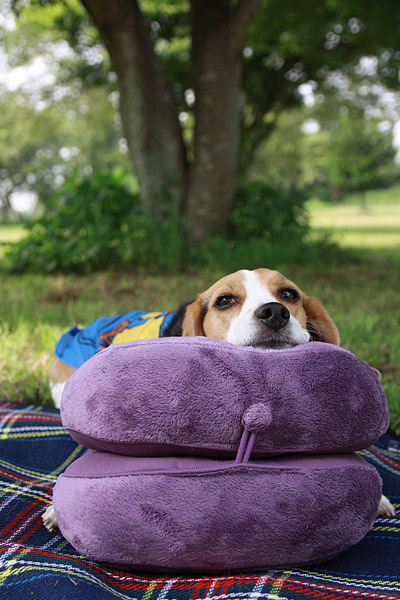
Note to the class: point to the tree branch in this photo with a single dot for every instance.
(240, 20)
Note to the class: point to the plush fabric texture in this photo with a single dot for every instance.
(198, 514)
(177, 396)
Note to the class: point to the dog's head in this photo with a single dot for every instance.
(258, 308)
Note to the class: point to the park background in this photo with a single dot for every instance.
(222, 135)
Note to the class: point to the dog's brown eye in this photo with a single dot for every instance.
(288, 294)
(225, 301)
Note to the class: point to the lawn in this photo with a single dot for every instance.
(377, 229)
(362, 297)
(11, 233)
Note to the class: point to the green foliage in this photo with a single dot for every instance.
(85, 225)
(349, 153)
(41, 25)
(287, 46)
(65, 121)
(279, 160)
(358, 156)
(311, 41)
(38, 148)
(96, 222)
(266, 226)
(231, 255)
(262, 212)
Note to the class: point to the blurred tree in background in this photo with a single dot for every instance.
(207, 90)
(357, 156)
(39, 149)
(347, 153)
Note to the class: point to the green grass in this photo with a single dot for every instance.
(362, 297)
(8, 234)
(11, 233)
(376, 229)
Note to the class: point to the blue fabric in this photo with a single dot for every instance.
(78, 345)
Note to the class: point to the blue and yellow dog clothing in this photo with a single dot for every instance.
(78, 345)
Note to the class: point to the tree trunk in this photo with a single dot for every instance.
(5, 209)
(203, 192)
(147, 105)
(335, 193)
(217, 41)
(362, 197)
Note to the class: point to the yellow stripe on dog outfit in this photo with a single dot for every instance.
(149, 329)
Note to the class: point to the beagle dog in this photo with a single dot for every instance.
(260, 308)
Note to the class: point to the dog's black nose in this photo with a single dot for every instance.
(273, 315)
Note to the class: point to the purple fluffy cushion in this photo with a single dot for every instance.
(199, 514)
(176, 396)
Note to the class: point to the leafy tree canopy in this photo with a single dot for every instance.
(54, 126)
(324, 44)
(305, 41)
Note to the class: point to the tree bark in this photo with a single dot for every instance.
(5, 209)
(362, 197)
(203, 191)
(217, 38)
(148, 110)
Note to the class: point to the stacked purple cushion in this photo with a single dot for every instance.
(172, 396)
(152, 401)
(202, 514)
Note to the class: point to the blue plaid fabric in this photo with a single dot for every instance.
(34, 563)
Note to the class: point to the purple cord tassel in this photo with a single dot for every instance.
(256, 418)
(242, 446)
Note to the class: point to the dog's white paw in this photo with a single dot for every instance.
(50, 519)
(386, 508)
(56, 391)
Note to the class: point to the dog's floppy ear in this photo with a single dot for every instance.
(193, 319)
(319, 324)
(377, 373)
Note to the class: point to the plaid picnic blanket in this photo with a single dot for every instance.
(35, 448)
